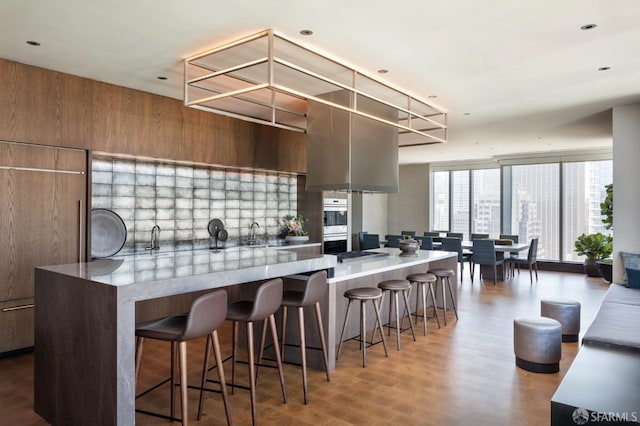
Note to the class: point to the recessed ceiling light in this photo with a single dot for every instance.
(383, 71)
(588, 27)
(161, 77)
(604, 68)
(33, 43)
(306, 32)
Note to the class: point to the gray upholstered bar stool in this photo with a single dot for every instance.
(424, 287)
(315, 287)
(442, 275)
(567, 313)
(206, 315)
(363, 294)
(266, 302)
(394, 287)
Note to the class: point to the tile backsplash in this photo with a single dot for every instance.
(182, 200)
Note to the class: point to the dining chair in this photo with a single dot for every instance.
(479, 236)
(484, 254)
(393, 240)
(531, 260)
(370, 241)
(431, 233)
(455, 235)
(412, 233)
(455, 245)
(361, 235)
(426, 243)
(513, 238)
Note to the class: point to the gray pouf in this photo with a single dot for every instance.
(567, 312)
(537, 344)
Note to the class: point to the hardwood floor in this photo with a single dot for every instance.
(462, 374)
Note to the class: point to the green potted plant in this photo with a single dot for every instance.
(595, 247)
(605, 266)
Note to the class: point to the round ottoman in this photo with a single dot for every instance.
(567, 312)
(537, 343)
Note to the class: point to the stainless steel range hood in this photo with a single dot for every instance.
(348, 152)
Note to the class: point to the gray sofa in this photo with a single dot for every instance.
(603, 382)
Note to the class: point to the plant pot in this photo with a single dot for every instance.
(591, 268)
(296, 239)
(606, 270)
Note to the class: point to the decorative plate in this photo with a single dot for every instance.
(108, 233)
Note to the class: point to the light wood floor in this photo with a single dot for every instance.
(461, 374)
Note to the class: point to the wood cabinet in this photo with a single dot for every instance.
(42, 222)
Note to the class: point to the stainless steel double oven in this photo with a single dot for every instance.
(335, 225)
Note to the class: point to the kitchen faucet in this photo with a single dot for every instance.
(252, 237)
(155, 238)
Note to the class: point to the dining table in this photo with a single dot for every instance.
(501, 249)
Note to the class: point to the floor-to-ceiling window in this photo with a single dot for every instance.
(554, 201)
(535, 212)
(486, 202)
(440, 201)
(460, 202)
(583, 191)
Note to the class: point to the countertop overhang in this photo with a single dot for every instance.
(393, 260)
(149, 275)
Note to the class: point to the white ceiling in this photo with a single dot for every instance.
(523, 70)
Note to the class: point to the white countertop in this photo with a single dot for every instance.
(151, 274)
(364, 266)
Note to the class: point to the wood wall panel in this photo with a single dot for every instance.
(51, 108)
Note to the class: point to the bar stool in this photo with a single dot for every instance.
(423, 280)
(314, 288)
(394, 287)
(441, 275)
(363, 294)
(206, 315)
(267, 301)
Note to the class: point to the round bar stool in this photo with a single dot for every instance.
(267, 301)
(441, 275)
(315, 287)
(394, 287)
(537, 344)
(206, 315)
(424, 281)
(363, 294)
(567, 313)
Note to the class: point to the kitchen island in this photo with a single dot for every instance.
(85, 321)
(85, 315)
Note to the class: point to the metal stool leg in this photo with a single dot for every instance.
(363, 330)
(323, 342)
(406, 305)
(453, 299)
(433, 299)
(344, 327)
(384, 342)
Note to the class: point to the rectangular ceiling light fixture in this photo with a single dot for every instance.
(268, 79)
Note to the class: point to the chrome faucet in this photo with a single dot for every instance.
(155, 238)
(252, 237)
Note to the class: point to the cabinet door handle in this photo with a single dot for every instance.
(80, 231)
(17, 308)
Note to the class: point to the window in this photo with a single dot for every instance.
(583, 191)
(460, 202)
(535, 209)
(440, 201)
(486, 202)
(554, 202)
